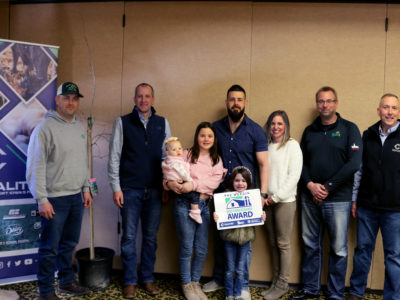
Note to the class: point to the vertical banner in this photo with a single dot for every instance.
(28, 83)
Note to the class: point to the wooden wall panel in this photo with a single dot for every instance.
(191, 52)
(4, 18)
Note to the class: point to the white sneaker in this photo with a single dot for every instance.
(245, 295)
(211, 286)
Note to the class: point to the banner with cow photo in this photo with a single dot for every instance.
(28, 83)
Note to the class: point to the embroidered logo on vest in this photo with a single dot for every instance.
(396, 148)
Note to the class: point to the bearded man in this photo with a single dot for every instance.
(241, 142)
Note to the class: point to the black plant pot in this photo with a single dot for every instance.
(95, 274)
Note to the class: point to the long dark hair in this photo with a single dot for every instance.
(245, 172)
(194, 152)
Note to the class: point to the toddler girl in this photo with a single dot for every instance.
(237, 240)
(176, 168)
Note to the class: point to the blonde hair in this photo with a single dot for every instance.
(170, 140)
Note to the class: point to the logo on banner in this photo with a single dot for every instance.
(14, 230)
(14, 214)
(37, 225)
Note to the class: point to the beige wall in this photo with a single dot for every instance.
(4, 18)
(193, 51)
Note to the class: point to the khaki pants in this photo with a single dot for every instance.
(279, 225)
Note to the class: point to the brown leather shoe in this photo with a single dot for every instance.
(74, 289)
(129, 291)
(151, 288)
(353, 297)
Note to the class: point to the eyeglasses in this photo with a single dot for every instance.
(329, 101)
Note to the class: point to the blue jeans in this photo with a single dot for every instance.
(236, 261)
(368, 223)
(219, 264)
(334, 216)
(58, 239)
(192, 197)
(143, 204)
(192, 238)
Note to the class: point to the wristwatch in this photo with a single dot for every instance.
(265, 195)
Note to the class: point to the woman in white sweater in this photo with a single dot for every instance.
(285, 164)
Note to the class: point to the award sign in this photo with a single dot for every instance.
(238, 209)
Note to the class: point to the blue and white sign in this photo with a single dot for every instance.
(28, 83)
(238, 209)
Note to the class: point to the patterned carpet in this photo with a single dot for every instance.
(169, 285)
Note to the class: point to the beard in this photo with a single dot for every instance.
(235, 115)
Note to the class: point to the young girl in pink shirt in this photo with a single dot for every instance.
(207, 172)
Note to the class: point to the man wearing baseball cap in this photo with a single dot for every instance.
(58, 178)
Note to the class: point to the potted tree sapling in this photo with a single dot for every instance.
(94, 263)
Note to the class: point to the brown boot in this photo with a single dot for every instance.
(279, 289)
(129, 291)
(73, 288)
(151, 288)
(271, 287)
(189, 292)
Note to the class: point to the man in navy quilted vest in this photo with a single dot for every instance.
(376, 201)
(134, 170)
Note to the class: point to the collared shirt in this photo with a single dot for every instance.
(383, 135)
(146, 121)
(358, 174)
(240, 148)
(116, 150)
